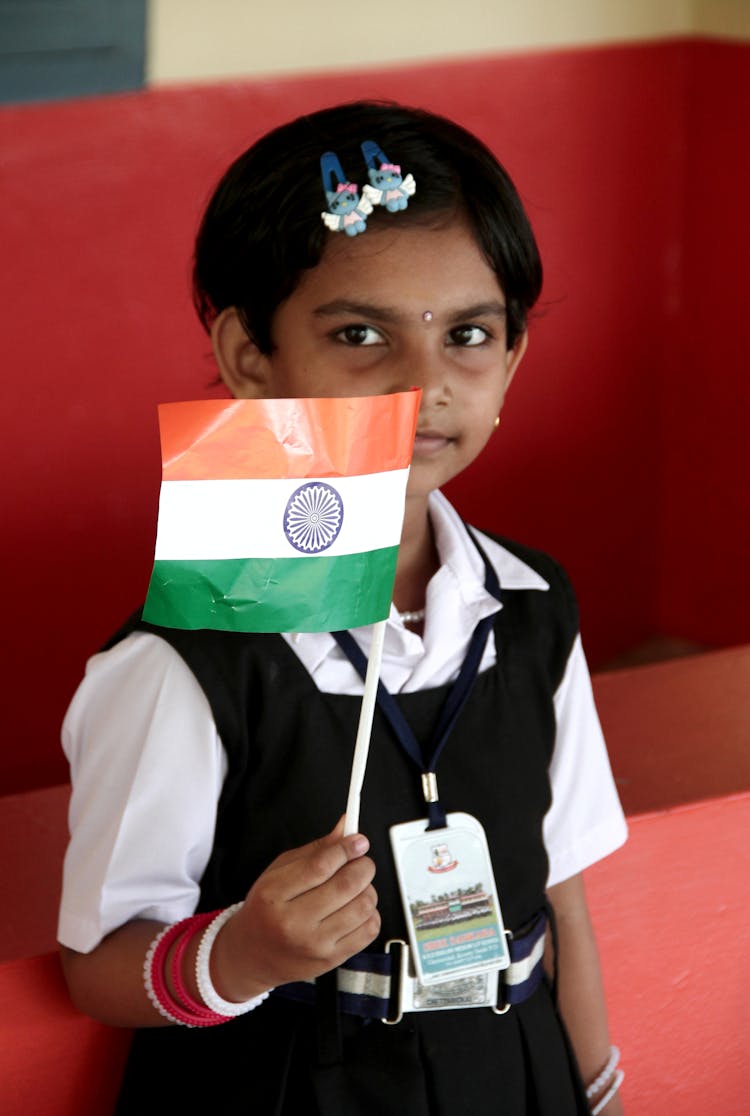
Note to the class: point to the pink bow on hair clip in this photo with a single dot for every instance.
(386, 186)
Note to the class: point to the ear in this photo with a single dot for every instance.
(515, 356)
(242, 366)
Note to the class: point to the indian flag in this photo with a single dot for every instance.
(280, 515)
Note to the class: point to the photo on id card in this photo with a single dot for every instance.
(449, 898)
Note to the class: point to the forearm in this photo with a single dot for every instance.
(107, 983)
(580, 988)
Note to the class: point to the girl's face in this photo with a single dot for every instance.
(389, 310)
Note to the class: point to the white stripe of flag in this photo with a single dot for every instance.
(218, 519)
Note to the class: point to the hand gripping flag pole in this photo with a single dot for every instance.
(284, 515)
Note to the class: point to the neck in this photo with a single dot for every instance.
(417, 557)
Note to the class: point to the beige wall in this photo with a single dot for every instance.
(205, 39)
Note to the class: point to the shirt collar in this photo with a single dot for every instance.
(458, 586)
(458, 552)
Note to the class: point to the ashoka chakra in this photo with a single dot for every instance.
(313, 517)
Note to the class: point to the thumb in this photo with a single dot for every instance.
(338, 830)
(354, 845)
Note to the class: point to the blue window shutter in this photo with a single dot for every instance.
(50, 49)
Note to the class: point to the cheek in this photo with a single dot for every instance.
(483, 433)
(486, 405)
(499, 396)
(295, 377)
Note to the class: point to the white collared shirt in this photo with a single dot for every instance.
(456, 601)
(148, 765)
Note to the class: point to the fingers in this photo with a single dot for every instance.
(353, 927)
(356, 941)
(306, 945)
(354, 845)
(311, 866)
(315, 886)
(308, 912)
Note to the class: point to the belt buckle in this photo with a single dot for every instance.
(402, 976)
(499, 1008)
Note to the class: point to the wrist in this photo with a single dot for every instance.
(163, 978)
(229, 965)
(613, 1107)
(178, 978)
(602, 1092)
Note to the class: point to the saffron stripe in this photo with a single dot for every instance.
(231, 439)
(237, 518)
(310, 594)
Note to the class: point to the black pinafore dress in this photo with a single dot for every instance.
(289, 749)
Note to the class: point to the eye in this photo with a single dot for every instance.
(469, 336)
(359, 335)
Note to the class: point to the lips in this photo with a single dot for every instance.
(430, 442)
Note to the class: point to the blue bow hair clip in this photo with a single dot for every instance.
(387, 185)
(346, 209)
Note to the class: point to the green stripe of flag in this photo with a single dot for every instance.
(272, 594)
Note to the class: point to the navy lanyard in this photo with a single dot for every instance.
(454, 703)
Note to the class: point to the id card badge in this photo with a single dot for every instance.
(449, 898)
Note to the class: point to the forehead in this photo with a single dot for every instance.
(415, 265)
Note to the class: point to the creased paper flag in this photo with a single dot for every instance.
(280, 515)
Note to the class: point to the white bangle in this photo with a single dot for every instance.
(602, 1078)
(209, 995)
(600, 1104)
(148, 981)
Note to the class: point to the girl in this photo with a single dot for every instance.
(209, 768)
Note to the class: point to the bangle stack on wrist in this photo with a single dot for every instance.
(183, 1008)
(604, 1086)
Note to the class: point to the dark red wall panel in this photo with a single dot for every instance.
(100, 202)
(704, 591)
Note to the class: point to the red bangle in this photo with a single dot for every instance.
(196, 924)
(156, 985)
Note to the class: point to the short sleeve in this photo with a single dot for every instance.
(585, 821)
(147, 767)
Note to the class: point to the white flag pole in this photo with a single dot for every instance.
(364, 730)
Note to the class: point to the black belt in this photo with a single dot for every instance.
(378, 985)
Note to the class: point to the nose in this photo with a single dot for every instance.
(424, 365)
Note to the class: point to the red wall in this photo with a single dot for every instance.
(623, 441)
(705, 528)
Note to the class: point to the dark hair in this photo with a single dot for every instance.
(262, 227)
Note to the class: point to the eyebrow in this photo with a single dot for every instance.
(357, 309)
(391, 315)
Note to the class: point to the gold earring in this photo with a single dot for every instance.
(497, 422)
